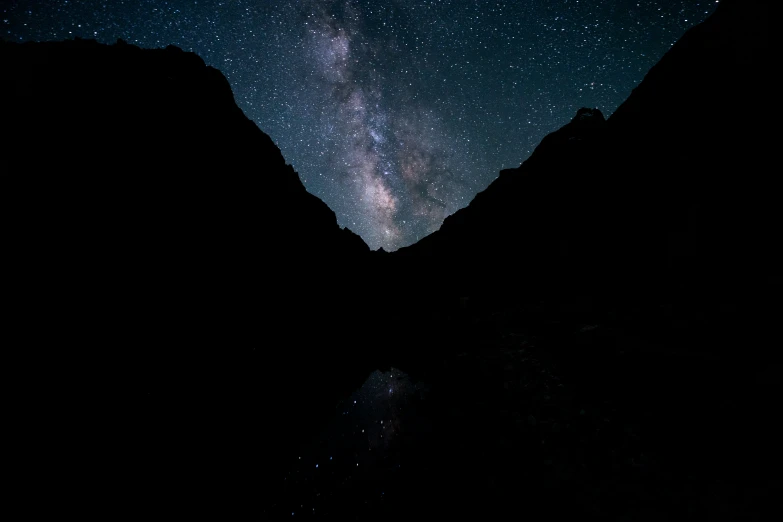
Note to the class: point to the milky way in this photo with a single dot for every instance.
(390, 150)
(395, 113)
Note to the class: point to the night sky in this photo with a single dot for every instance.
(395, 113)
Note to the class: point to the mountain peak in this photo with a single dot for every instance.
(586, 117)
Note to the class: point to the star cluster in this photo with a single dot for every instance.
(361, 449)
(394, 113)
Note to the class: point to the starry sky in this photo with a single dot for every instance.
(396, 112)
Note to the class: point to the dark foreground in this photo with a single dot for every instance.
(543, 411)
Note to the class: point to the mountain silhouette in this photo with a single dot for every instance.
(673, 189)
(161, 241)
(208, 312)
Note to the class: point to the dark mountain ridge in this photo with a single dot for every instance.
(157, 235)
(674, 185)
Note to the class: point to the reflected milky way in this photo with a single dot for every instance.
(361, 450)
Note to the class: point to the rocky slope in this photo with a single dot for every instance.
(162, 244)
(673, 190)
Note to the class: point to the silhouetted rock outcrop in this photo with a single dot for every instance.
(154, 225)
